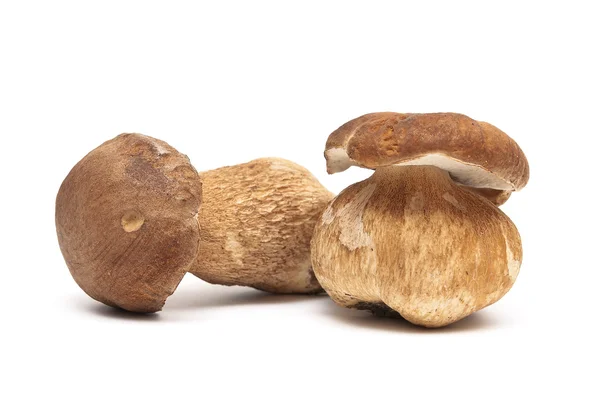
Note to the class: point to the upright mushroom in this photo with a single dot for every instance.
(423, 237)
(130, 223)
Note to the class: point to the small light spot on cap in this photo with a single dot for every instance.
(132, 221)
(183, 195)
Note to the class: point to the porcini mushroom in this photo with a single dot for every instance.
(422, 238)
(130, 224)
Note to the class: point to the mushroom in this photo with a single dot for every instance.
(129, 224)
(422, 238)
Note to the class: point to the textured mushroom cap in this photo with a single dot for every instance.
(257, 220)
(409, 240)
(475, 153)
(126, 219)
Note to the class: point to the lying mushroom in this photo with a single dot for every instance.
(422, 238)
(129, 226)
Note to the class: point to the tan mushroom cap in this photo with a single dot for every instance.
(126, 219)
(476, 154)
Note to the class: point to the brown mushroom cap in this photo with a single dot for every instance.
(257, 220)
(410, 241)
(126, 219)
(476, 154)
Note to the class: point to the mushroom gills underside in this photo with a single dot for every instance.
(461, 172)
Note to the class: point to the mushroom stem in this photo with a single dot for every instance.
(496, 196)
(413, 240)
(256, 222)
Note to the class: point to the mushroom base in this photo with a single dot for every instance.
(413, 240)
(378, 309)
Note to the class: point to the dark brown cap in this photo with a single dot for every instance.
(476, 154)
(126, 219)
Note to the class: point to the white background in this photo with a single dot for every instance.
(227, 82)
